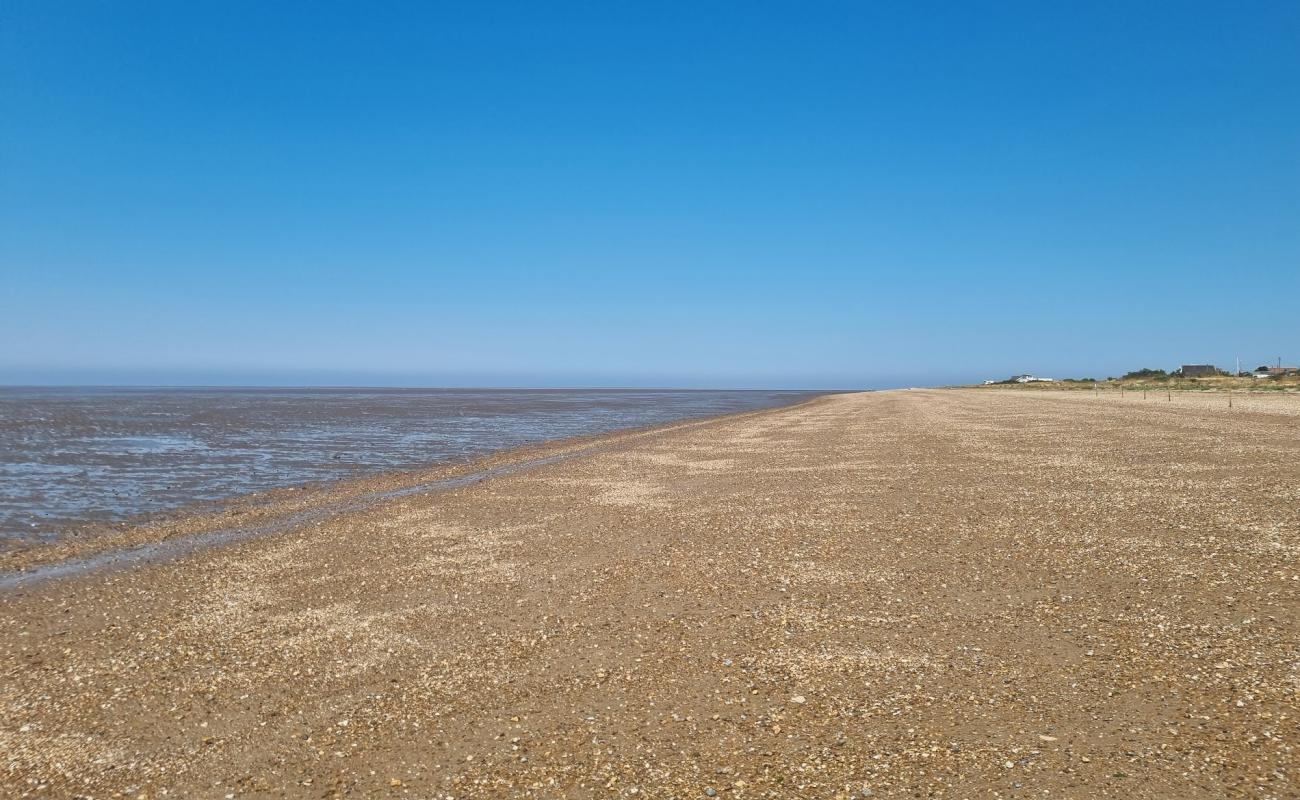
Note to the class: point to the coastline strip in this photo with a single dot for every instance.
(157, 550)
(908, 593)
(177, 547)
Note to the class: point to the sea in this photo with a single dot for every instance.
(72, 457)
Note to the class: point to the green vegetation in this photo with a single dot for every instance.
(1156, 379)
(1146, 374)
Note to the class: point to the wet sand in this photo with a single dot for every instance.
(76, 459)
(930, 593)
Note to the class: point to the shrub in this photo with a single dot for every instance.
(1154, 374)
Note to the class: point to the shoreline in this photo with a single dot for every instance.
(910, 593)
(111, 542)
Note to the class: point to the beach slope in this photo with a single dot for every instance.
(924, 593)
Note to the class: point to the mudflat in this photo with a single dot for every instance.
(970, 593)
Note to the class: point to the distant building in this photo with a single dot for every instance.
(1276, 372)
(1198, 370)
(1031, 379)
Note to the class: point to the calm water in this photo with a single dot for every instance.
(71, 456)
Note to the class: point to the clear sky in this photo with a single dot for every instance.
(704, 193)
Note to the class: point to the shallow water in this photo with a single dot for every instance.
(167, 549)
(70, 456)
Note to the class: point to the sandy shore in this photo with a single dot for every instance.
(929, 593)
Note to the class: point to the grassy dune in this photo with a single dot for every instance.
(1219, 383)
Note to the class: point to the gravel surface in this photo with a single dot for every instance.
(901, 594)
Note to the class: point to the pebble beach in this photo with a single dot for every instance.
(926, 593)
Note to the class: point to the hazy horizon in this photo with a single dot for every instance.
(236, 378)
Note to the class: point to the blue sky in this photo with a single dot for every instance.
(698, 194)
